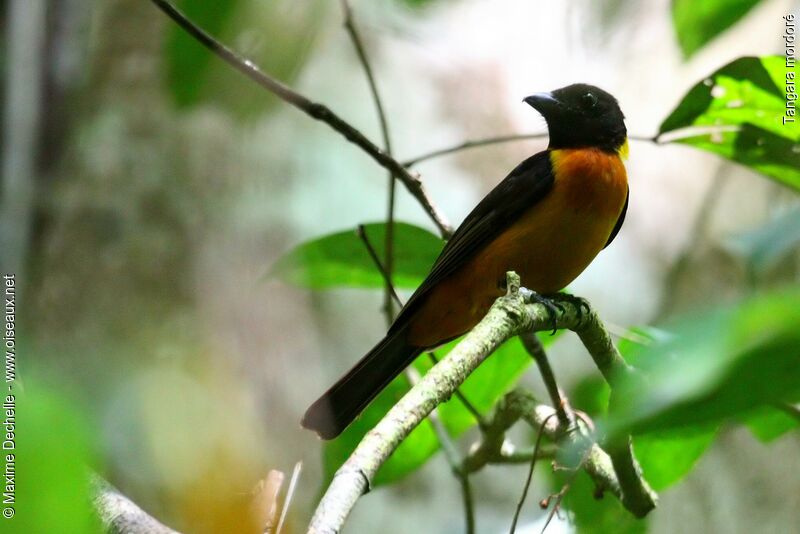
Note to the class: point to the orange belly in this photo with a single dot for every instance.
(549, 246)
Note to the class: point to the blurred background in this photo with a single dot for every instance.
(148, 188)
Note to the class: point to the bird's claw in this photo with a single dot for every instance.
(581, 304)
(552, 307)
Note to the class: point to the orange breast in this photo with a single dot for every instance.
(549, 246)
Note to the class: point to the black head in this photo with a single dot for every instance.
(581, 115)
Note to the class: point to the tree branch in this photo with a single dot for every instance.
(637, 496)
(510, 315)
(118, 514)
(313, 109)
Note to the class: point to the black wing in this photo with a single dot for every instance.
(621, 220)
(528, 183)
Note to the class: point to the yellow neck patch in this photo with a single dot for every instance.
(624, 150)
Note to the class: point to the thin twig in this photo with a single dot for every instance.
(521, 457)
(469, 502)
(534, 347)
(298, 467)
(475, 143)
(530, 472)
(315, 110)
(472, 144)
(452, 456)
(362, 234)
(388, 260)
(562, 492)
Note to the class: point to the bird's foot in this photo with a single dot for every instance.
(581, 304)
(550, 305)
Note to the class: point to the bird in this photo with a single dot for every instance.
(547, 220)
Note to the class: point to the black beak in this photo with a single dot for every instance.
(544, 103)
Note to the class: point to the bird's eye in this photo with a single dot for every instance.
(588, 100)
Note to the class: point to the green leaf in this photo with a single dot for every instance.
(763, 151)
(666, 457)
(52, 457)
(342, 260)
(715, 366)
(764, 247)
(744, 104)
(696, 23)
(768, 423)
(483, 388)
(756, 75)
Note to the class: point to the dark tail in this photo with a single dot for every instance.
(348, 397)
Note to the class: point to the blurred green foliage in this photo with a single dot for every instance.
(276, 35)
(747, 99)
(715, 366)
(589, 514)
(416, 3)
(54, 455)
(665, 457)
(697, 23)
(768, 423)
(187, 61)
